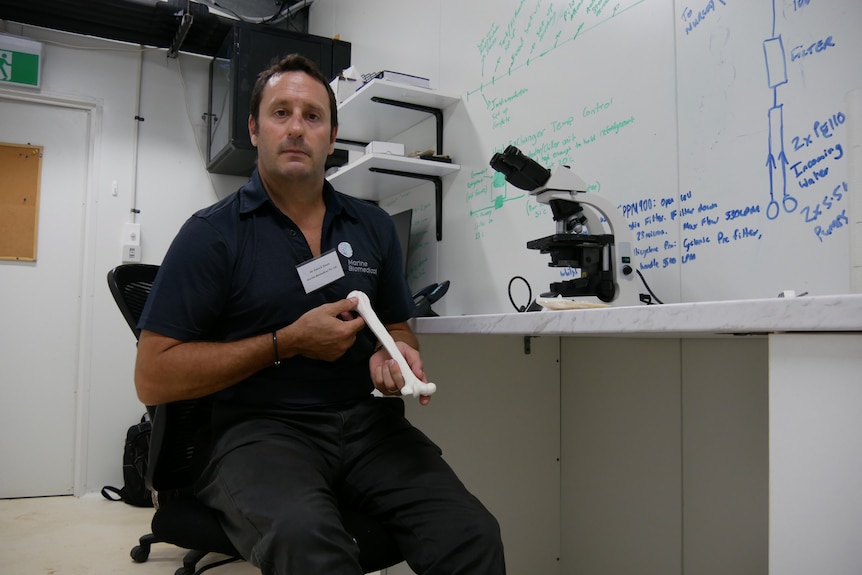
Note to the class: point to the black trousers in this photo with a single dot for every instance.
(277, 478)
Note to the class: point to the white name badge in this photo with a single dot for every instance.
(320, 271)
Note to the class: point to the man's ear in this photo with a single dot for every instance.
(252, 130)
(332, 135)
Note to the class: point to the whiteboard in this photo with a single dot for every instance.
(584, 84)
(763, 131)
(696, 119)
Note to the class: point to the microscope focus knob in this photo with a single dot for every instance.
(627, 270)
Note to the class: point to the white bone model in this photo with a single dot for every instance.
(412, 384)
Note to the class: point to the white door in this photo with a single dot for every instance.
(40, 308)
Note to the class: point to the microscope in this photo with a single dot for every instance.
(604, 260)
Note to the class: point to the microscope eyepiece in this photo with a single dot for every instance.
(520, 170)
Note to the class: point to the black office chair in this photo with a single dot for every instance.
(179, 446)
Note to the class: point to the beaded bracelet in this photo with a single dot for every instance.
(275, 347)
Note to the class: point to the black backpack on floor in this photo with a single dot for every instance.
(136, 452)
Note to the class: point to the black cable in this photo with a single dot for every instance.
(215, 564)
(646, 285)
(277, 13)
(529, 294)
(263, 20)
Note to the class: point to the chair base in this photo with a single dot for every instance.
(141, 552)
(190, 563)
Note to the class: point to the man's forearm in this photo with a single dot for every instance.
(170, 370)
(401, 332)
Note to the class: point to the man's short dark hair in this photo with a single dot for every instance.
(292, 63)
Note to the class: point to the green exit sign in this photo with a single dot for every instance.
(20, 61)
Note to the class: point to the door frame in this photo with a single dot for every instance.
(93, 109)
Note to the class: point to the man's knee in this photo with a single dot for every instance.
(306, 543)
(477, 531)
(483, 530)
(472, 546)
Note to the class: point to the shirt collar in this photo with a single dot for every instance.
(253, 196)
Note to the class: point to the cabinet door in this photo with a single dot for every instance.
(815, 453)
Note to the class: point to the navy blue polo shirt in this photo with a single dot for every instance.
(231, 273)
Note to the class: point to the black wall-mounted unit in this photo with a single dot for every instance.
(246, 51)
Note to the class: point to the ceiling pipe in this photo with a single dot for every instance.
(293, 9)
(275, 19)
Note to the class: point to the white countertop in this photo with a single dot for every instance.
(757, 316)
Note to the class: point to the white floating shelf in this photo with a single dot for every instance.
(356, 178)
(363, 120)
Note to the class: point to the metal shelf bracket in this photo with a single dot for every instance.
(436, 112)
(438, 192)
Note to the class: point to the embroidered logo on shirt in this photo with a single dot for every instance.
(361, 267)
(345, 249)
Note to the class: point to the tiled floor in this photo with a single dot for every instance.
(84, 536)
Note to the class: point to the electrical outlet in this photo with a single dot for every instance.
(131, 254)
(131, 243)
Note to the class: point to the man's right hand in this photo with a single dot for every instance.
(324, 333)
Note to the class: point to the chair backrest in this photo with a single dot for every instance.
(173, 462)
(130, 285)
(180, 444)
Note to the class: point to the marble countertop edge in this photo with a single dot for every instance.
(832, 313)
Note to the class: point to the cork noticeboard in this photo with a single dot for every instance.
(20, 172)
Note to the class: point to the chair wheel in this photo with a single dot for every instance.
(183, 571)
(140, 554)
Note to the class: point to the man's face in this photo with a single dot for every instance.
(293, 135)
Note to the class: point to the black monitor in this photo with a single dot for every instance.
(403, 222)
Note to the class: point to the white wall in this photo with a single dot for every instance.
(171, 183)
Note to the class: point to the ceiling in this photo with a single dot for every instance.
(154, 22)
